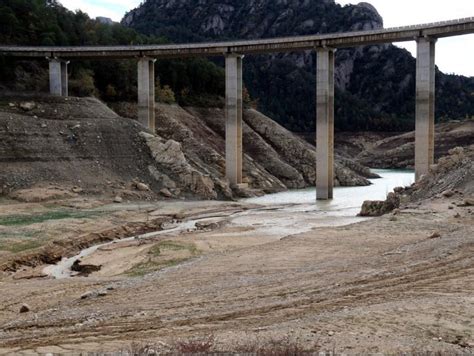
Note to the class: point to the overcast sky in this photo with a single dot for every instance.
(453, 55)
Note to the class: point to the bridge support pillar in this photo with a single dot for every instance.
(233, 118)
(58, 78)
(146, 92)
(425, 106)
(325, 123)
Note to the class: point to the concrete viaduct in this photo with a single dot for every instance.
(234, 51)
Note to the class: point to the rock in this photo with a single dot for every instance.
(166, 193)
(450, 207)
(372, 208)
(179, 216)
(468, 202)
(87, 295)
(118, 199)
(27, 106)
(84, 270)
(12, 105)
(44, 126)
(331, 333)
(76, 190)
(142, 187)
(169, 153)
(25, 308)
(378, 207)
(205, 225)
(435, 235)
(448, 193)
(398, 190)
(457, 216)
(162, 179)
(456, 151)
(102, 293)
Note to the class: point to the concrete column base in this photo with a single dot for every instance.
(425, 106)
(146, 92)
(325, 123)
(233, 118)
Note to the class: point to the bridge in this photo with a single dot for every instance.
(325, 46)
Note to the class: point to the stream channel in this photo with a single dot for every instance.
(277, 215)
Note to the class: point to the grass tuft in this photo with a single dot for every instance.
(158, 258)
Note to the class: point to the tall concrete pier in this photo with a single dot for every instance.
(146, 92)
(324, 123)
(58, 77)
(425, 106)
(325, 44)
(233, 118)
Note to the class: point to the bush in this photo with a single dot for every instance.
(164, 94)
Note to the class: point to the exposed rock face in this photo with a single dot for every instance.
(453, 172)
(452, 178)
(399, 151)
(274, 158)
(81, 146)
(170, 156)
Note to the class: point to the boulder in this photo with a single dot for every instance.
(166, 193)
(379, 207)
(142, 187)
(27, 105)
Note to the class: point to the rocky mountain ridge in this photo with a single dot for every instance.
(375, 85)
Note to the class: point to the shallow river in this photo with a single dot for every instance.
(279, 215)
(347, 200)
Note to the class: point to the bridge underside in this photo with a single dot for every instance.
(325, 45)
(425, 105)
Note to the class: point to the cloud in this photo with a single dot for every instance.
(115, 9)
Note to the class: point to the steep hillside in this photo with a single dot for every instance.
(399, 151)
(375, 84)
(69, 146)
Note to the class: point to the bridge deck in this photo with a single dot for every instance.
(334, 40)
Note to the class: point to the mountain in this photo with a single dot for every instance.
(48, 23)
(375, 85)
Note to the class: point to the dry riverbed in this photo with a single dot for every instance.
(240, 272)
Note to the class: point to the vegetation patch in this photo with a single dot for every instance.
(28, 219)
(162, 255)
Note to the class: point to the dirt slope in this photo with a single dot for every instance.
(81, 143)
(399, 151)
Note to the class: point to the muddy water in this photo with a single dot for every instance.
(347, 200)
(278, 215)
(299, 211)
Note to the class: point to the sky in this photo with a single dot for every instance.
(453, 55)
